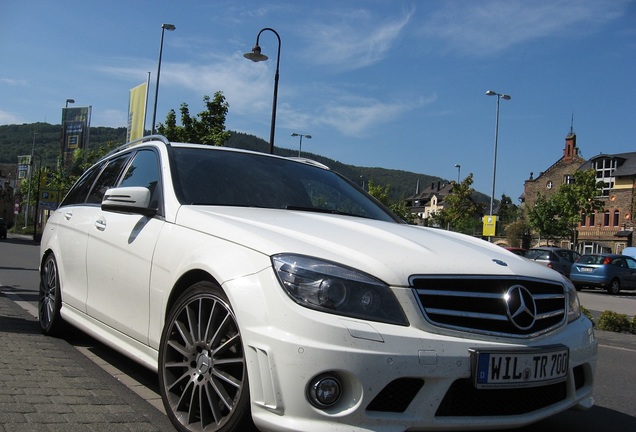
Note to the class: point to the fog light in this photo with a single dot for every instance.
(324, 390)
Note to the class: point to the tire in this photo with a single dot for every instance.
(614, 287)
(50, 299)
(202, 367)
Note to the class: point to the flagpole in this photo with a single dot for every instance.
(143, 132)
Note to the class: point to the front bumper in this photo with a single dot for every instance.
(394, 378)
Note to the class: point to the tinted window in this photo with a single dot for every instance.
(144, 171)
(591, 259)
(217, 177)
(106, 180)
(78, 193)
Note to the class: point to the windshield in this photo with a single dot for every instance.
(227, 178)
(538, 254)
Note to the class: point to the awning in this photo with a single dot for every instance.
(624, 233)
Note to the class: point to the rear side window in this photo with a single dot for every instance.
(79, 192)
(106, 180)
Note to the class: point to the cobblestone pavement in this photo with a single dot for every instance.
(48, 385)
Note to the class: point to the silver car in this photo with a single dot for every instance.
(558, 259)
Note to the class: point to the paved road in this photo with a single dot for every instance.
(77, 384)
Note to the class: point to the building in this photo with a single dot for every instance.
(548, 182)
(607, 231)
(611, 230)
(429, 201)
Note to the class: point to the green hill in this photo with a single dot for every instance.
(18, 140)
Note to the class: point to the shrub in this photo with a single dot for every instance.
(614, 322)
(588, 314)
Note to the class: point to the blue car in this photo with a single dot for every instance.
(608, 271)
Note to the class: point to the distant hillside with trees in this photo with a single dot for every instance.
(16, 140)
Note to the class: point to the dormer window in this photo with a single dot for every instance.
(604, 173)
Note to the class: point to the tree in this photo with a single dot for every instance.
(545, 218)
(460, 213)
(516, 231)
(208, 127)
(559, 215)
(382, 194)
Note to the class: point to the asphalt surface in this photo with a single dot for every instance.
(46, 384)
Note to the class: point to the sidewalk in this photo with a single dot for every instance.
(48, 385)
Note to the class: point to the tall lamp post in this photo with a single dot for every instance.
(256, 56)
(459, 170)
(37, 199)
(494, 161)
(164, 27)
(301, 140)
(26, 212)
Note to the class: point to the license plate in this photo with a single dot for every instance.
(587, 269)
(510, 369)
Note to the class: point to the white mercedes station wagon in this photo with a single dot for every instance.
(273, 292)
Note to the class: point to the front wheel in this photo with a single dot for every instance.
(614, 287)
(50, 298)
(202, 367)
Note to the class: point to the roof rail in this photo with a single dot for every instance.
(132, 143)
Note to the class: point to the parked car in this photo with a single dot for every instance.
(273, 290)
(629, 251)
(558, 259)
(3, 229)
(608, 271)
(517, 250)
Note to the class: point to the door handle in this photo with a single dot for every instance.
(100, 224)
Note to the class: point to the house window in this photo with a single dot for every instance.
(568, 179)
(604, 173)
(606, 218)
(583, 218)
(616, 214)
(591, 219)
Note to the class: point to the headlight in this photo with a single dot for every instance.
(574, 307)
(334, 288)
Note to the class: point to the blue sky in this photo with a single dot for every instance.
(393, 84)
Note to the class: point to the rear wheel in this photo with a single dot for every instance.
(614, 287)
(202, 367)
(50, 298)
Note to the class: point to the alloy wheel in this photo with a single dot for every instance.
(202, 366)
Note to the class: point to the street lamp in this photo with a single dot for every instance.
(301, 140)
(164, 27)
(37, 199)
(494, 161)
(68, 101)
(26, 210)
(459, 170)
(256, 56)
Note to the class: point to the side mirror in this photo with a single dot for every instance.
(128, 200)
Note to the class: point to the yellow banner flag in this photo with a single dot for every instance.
(137, 112)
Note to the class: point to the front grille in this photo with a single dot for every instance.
(478, 304)
(463, 399)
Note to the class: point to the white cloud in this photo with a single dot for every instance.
(487, 27)
(353, 41)
(13, 81)
(358, 117)
(9, 118)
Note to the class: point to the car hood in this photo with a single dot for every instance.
(389, 251)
